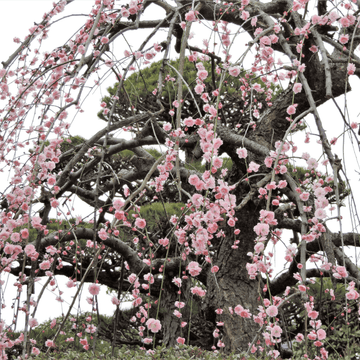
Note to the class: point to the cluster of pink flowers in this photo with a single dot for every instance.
(214, 202)
(194, 268)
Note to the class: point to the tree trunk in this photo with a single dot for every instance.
(233, 287)
(172, 329)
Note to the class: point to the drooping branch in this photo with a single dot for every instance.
(27, 41)
(286, 279)
(118, 125)
(130, 255)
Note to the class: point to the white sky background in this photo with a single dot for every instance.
(19, 16)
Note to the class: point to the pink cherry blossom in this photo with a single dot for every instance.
(259, 247)
(148, 341)
(118, 204)
(341, 270)
(140, 223)
(261, 229)
(164, 242)
(314, 49)
(351, 69)
(49, 343)
(36, 222)
(115, 300)
(189, 122)
(291, 110)
(345, 22)
(352, 295)
(103, 235)
(343, 39)
(312, 164)
(199, 88)
(167, 126)
(202, 74)
(190, 16)
(272, 310)
(313, 314)
(242, 153)
(177, 282)
(153, 325)
(149, 278)
(321, 334)
(253, 167)
(244, 313)
(234, 71)
(45, 265)
(30, 250)
(276, 331)
(320, 214)
(194, 180)
(180, 340)
(194, 268)
(304, 196)
(196, 290)
(245, 15)
(33, 323)
(297, 88)
(35, 351)
(94, 289)
(104, 40)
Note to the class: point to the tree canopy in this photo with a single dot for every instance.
(200, 171)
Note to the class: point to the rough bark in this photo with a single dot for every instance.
(171, 323)
(232, 285)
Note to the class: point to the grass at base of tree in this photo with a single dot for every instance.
(181, 352)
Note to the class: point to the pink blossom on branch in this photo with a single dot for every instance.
(196, 290)
(253, 167)
(297, 88)
(202, 74)
(102, 234)
(94, 289)
(276, 331)
(180, 340)
(261, 229)
(33, 323)
(340, 272)
(242, 153)
(351, 69)
(190, 16)
(234, 71)
(244, 313)
(321, 334)
(343, 39)
(291, 109)
(140, 223)
(49, 343)
(194, 268)
(272, 310)
(45, 265)
(153, 325)
(35, 351)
